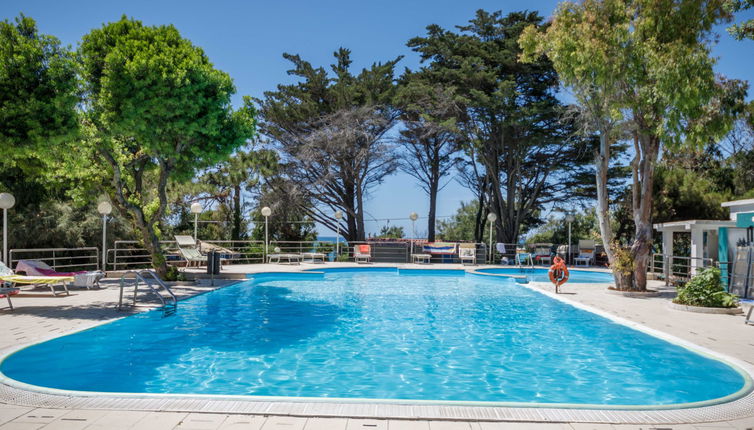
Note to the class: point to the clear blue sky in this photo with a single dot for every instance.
(246, 39)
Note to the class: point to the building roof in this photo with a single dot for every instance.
(737, 203)
(686, 225)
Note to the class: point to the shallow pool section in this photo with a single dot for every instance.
(577, 276)
(379, 334)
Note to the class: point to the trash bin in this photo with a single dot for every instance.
(213, 263)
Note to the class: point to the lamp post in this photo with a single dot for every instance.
(491, 217)
(413, 217)
(338, 217)
(196, 209)
(266, 212)
(569, 218)
(104, 209)
(6, 202)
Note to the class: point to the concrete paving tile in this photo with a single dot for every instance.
(449, 425)
(11, 413)
(116, 420)
(360, 424)
(21, 426)
(407, 425)
(243, 422)
(326, 424)
(528, 426)
(591, 426)
(284, 423)
(41, 416)
(197, 421)
(160, 420)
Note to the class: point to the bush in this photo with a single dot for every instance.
(706, 289)
(172, 274)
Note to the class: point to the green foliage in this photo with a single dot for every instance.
(706, 289)
(156, 111)
(514, 126)
(391, 232)
(555, 230)
(329, 129)
(38, 96)
(745, 29)
(460, 227)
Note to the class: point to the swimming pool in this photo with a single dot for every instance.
(541, 275)
(379, 334)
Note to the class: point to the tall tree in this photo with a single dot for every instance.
(156, 111)
(511, 117)
(429, 138)
(38, 96)
(232, 179)
(330, 131)
(647, 63)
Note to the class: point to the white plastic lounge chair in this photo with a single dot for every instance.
(543, 254)
(189, 251)
(586, 253)
(467, 253)
(421, 258)
(313, 257)
(8, 276)
(289, 258)
(362, 253)
(87, 279)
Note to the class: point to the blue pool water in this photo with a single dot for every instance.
(541, 275)
(378, 334)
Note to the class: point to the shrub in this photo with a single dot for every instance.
(706, 289)
(172, 274)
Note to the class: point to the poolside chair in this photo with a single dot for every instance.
(8, 276)
(88, 279)
(586, 253)
(189, 251)
(467, 253)
(362, 253)
(503, 251)
(543, 253)
(278, 258)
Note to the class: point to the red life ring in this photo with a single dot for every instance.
(558, 273)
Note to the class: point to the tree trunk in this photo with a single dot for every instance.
(152, 243)
(602, 161)
(236, 233)
(360, 230)
(647, 148)
(433, 189)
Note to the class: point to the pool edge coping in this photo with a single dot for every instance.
(745, 394)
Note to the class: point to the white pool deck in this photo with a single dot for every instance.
(39, 316)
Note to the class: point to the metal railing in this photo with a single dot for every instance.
(147, 277)
(129, 254)
(676, 267)
(66, 259)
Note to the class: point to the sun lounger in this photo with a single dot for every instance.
(8, 276)
(421, 258)
(313, 257)
(543, 254)
(188, 249)
(88, 279)
(362, 253)
(289, 258)
(467, 253)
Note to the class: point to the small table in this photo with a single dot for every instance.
(421, 258)
(313, 257)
